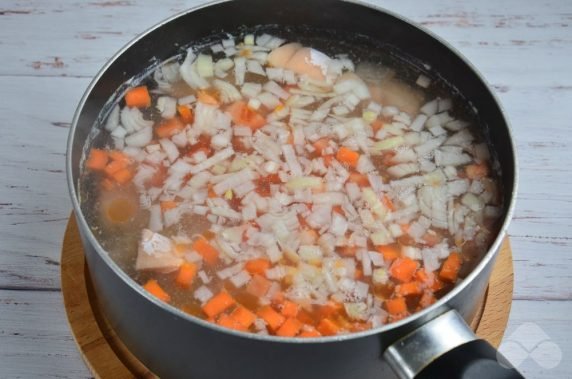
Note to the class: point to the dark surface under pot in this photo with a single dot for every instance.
(173, 344)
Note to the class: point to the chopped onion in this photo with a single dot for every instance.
(388, 144)
(251, 90)
(205, 66)
(112, 119)
(170, 149)
(228, 93)
(239, 70)
(203, 294)
(423, 81)
(240, 279)
(214, 159)
(303, 182)
(275, 89)
(374, 203)
(140, 138)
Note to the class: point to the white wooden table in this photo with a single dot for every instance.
(50, 51)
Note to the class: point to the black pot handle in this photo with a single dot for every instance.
(446, 347)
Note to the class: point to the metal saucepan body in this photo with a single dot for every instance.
(173, 344)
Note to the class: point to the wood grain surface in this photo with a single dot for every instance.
(50, 51)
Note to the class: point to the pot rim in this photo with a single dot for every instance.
(441, 303)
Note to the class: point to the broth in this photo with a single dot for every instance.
(268, 187)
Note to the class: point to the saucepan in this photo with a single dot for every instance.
(433, 343)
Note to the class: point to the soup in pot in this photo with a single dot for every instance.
(272, 188)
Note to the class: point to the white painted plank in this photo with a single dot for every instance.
(34, 202)
(35, 339)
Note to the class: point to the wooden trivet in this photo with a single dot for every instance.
(107, 357)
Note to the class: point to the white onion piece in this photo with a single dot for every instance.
(170, 149)
(228, 92)
(188, 71)
(112, 121)
(140, 138)
(239, 70)
(292, 160)
(445, 158)
(275, 89)
(132, 120)
(251, 90)
(240, 279)
(430, 108)
(403, 169)
(203, 294)
(214, 159)
(155, 218)
(429, 146)
(167, 106)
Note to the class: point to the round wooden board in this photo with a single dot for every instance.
(107, 357)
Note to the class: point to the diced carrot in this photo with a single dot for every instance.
(169, 128)
(218, 304)
(273, 319)
(476, 171)
(330, 309)
(186, 275)
(403, 269)
(437, 285)
(155, 289)
(320, 145)
(186, 114)
(327, 327)
(229, 322)
(97, 159)
(207, 98)
(168, 204)
(290, 328)
(422, 276)
(427, 299)
(257, 266)
(396, 306)
(258, 285)
(390, 252)
(309, 332)
(328, 159)
(359, 179)
(376, 125)
(119, 156)
(242, 115)
(289, 308)
(358, 274)
(123, 176)
(348, 251)
(243, 316)
(388, 203)
(206, 250)
(408, 289)
(347, 156)
(450, 269)
(114, 166)
(305, 317)
(138, 97)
